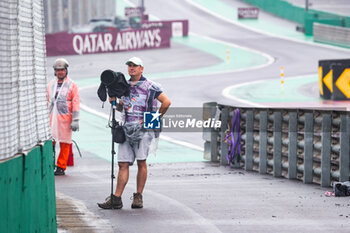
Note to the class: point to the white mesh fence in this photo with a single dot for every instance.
(23, 112)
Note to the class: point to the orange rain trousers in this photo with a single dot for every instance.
(64, 154)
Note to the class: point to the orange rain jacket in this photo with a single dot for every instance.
(63, 109)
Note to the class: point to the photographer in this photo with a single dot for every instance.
(144, 96)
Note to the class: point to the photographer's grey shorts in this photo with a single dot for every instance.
(127, 153)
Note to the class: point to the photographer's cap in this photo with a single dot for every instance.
(135, 60)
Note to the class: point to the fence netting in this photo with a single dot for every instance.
(23, 111)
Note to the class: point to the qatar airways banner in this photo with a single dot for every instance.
(64, 43)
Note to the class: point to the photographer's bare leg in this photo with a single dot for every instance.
(123, 177)
(141, 175)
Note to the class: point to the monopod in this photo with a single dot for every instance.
(114, 125)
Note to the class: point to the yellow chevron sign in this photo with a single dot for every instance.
(320, 79)
(343, 82)
(328, 80)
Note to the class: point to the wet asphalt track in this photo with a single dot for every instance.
(200, 196)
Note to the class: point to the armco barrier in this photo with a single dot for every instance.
(332, 35)
(64, 43)
(334, 79)
(308, 145)
(27, 192)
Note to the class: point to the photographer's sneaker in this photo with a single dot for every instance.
(117, 203)
(137, 201)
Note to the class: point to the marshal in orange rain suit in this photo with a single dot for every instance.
(64, 107)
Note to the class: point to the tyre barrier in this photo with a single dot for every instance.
(334, 79)
(303, 144)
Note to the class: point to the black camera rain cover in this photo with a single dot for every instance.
(116, 84)
(102, 92)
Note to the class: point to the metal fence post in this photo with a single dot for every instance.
(292, 148)
(49, 17)
(344, 147)
(224, 145)
(277, 144)
(89, 9)
(263, 142)
(326, 150)
(308, 147)
(70, 14)
(249, 140)
(81, 12)
(60, 16)
(99, 9)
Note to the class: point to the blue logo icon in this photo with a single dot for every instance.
(151, 120)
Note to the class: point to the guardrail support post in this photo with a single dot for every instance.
(344, 147)
(308, 147)
(263, 142)
(326, 150)
(214, 137)
(224, 145)
(249, 140)
(277, 143)
(210, 135)
(292, 148)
